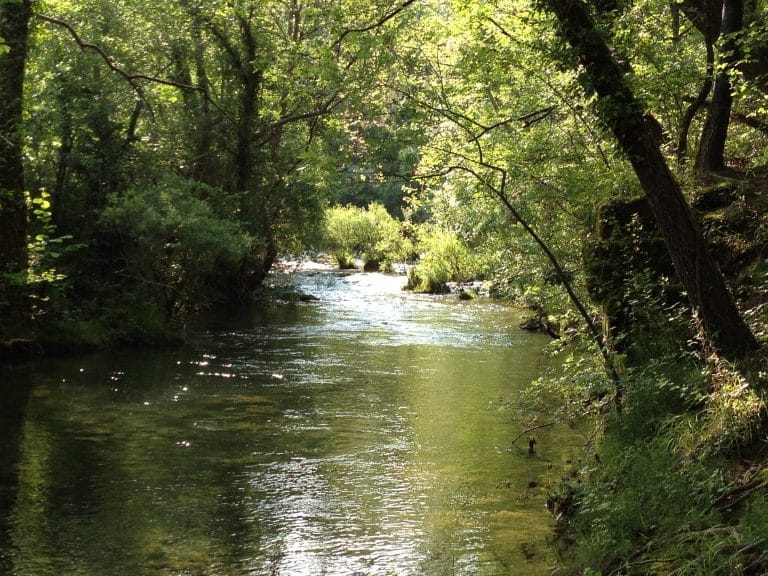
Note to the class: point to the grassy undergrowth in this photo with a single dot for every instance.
(677, 484)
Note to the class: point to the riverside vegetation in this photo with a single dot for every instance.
(600, 162)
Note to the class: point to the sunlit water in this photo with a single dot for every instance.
(367, 433)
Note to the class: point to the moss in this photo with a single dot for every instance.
(716, 196)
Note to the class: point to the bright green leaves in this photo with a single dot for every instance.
(370, 233)
(445, 257)
(42, 205)
(45, 251)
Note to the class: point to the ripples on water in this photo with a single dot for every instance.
(365, 433)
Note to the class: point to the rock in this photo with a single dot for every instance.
(716, 197)
(542, 322)
(467, 294)
(532, 324)
(371, 266)
(627, 265)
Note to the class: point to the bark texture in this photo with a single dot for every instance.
(623, 114)
(14, 30)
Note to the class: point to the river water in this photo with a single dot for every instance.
(366, 433)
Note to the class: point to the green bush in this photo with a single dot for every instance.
(172, 243)
(341, 234)
(370, 232)
(445, 257)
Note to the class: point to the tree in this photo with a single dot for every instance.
(711, 154)
(623, 114)
(231, 105)
(14, 32)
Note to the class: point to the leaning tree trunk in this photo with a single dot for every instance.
(619, 109)
(14, 31)
(711, 153)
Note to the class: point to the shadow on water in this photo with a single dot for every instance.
(13, 405)
(362, 433)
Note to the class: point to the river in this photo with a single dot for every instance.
(366, 433)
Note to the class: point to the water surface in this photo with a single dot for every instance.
(367, 433)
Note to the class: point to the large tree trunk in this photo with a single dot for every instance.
(14, 30)
(711, 154)
(619, 109)
(251, 85)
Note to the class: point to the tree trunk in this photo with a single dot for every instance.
(62, 167)
(14, 30)
(711, 154)
(696, 105)
(251, 84)
(621, 112)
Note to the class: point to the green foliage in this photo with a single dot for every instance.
(46, 249)
(341, 237)
(661, 495)
(574, 384)
(754, 524)
(639, 496)
(172, 243)
(379, 159)
(370, 232)
(444, 257)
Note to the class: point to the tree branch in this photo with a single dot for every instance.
(380, 22)
(130, 78)
(500, 192)
(94, 48)
(531, 429)
(532, 118)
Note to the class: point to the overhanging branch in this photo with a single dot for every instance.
(380, 22)
(132, 79)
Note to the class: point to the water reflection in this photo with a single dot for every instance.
(361, 434)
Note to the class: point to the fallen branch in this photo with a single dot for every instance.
(739, 493)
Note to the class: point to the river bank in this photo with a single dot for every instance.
(677, 484)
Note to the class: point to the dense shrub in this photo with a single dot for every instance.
(444, 258)
(372, 233)
(172, 244)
